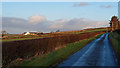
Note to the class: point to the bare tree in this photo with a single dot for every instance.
(4, 32)
(57, 30)
(51, 32)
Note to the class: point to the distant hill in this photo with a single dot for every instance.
(82, 31)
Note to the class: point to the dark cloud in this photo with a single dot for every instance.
(13, 22)
(80, 4)
(17, 25)
(106, 6)
(14, 25)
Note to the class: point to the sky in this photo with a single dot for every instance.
(19, 17)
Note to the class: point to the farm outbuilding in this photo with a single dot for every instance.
(33, 33)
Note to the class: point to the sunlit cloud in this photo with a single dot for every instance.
(106, 6)
(36, 19)
(80, 4)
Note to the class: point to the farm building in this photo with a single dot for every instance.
(33, 33)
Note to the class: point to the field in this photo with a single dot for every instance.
(15, 37)
(83, 31)
(24, 48)
(115, 40)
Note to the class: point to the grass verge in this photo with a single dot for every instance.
(115, 40)
(59, 55)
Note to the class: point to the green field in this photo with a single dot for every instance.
(7, 40)
(14, 37)
(57, 56)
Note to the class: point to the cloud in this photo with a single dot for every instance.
(58, 24)
(80, 4)
(14, 25)
(76, 24)
(106, 6)
(14, 22)
(36, 19)
(18, 25)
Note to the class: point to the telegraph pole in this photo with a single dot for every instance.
(119, 10)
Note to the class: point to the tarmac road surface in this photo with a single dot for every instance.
(97, 53)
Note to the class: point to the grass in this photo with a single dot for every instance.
(23, 37)
(59, 55)
(19, 36)
(115, 40)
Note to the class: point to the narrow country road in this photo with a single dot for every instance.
(97, 53)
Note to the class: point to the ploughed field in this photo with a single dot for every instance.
(27, 48)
